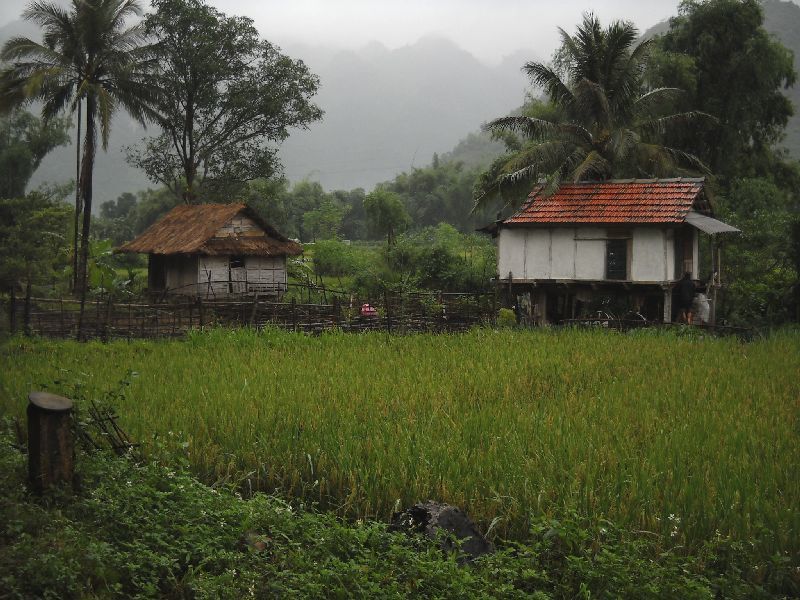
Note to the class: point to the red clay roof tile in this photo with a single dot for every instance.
(619, 201)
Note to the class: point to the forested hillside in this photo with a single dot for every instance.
(782, 19)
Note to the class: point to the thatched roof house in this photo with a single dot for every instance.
(214, 250)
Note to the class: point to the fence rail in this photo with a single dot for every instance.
(109, 319)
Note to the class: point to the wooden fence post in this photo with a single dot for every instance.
(336, 311)
(388, 311)
(26, 315)
(51, 453)
(200, 310)
(255, 309)
(294, 314)
(12, 311)
(61, 319)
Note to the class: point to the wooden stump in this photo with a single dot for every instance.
(51, 453)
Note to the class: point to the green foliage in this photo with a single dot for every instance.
(440, 193)
(129, 215)
(325, 221)
(33, 240)
(226, 103)
(730, 67)
(385, 213)
(441, 258)
(337, 259)
(758, 263)
(506, 318)
(24, 142)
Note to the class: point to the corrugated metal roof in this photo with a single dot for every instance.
(616, 201)
(190, 229)
(708, 224)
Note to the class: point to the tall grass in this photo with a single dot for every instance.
(690, 439)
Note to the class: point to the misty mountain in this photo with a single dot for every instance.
(390, 110)
(385, 111)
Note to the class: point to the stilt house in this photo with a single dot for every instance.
(635, 238)
(214, 251)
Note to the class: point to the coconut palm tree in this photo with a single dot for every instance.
(602, 122)
(89, 56)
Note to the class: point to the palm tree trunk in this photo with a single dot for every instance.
(86, 191)
(77, 202)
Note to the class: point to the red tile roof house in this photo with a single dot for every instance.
(633, 238)
(214, 251)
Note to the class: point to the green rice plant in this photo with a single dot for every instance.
(689, 439)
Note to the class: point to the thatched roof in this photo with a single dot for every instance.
(191, 230)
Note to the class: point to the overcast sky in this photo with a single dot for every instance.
(489, 29)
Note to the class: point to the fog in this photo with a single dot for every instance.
(487, 29)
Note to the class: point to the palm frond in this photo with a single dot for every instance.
(25, 48)
(662, 161)
(593, 164)
(56, 99)
(544, 77)
(651, 100)
(623, 144)
(539, 129)
(592, 102)
(662, 125)
(46, 14)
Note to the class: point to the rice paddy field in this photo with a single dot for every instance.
(689, 438)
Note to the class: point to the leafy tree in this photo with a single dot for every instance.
(719, 52)
(269, 197)
(386, 214)
(354, 227)
(439, 193)
(87, 55)
(442, 258)
(227, 94)
(759, 265)
(335, 258)
(119, 208)
(24, 142)
(305, 196)
(33, 240)
(117, 218)
(605, 125)
(325, 221)
(152, 204)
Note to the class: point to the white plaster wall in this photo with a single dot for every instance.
(580, 253)
(511, 253)
(695, 254)
(590, 260)
(562, 253)
(648, 258)
(538, 264)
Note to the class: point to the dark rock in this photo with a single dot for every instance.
(433, 519)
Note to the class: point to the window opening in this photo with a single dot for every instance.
(617, 259)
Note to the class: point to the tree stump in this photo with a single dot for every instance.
(51, 452)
